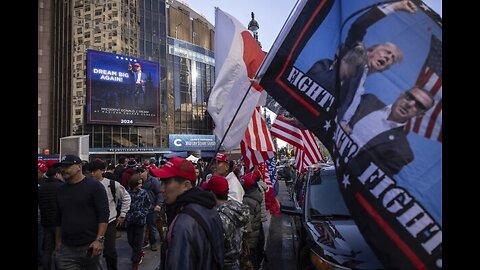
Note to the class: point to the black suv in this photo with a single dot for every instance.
(328, 236)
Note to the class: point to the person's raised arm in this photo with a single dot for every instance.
(359, 27)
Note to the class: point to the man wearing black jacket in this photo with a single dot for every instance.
(47, 201)
(194, 236)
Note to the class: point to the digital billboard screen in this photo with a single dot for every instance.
(122, 90)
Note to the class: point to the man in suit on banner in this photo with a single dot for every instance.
(378, 130)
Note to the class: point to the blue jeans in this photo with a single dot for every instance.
(75, 258)
(152, 228)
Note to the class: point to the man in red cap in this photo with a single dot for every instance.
(42, 169)
(253, 199)
(194, 226)
(234, 217)
(139, 79)
(235, 190)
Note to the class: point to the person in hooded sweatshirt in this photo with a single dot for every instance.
(195, 233)
(253, 199)
(234, 217)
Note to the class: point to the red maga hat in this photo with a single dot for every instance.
(221, 157)
(41, 166)
(247, 180)
(51, 162)
(176, 167)
(218, 185)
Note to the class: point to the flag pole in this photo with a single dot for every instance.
(231, 123)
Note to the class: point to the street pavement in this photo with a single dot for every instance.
(281, 239)
(150, 261)
(279, 244)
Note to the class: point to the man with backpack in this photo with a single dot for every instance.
(115, 191)
(195, 232)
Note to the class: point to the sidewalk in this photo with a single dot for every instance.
(150, 261)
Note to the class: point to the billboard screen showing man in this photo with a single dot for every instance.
(121, 90)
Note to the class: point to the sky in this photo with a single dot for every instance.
(271, 15)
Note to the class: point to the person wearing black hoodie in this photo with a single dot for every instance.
(47, 202)
(195, 232)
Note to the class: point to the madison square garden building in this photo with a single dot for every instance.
(87, 52)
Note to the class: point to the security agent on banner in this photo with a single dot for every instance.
(378, 130)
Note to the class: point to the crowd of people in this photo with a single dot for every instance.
(197, 215)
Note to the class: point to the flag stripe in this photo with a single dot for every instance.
(305, 147)
(257, 145)
(288, 136)
(311, 147)
(284, 130)
(384, 225)
(430, 79)
(433, 119)
(418, 122)
(436, 87)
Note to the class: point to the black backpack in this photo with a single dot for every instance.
(195, 215)
(112, 189)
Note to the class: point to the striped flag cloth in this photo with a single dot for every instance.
(305, 147)
(284, 128)
(257, 144)
(430, 79)
(311, 153)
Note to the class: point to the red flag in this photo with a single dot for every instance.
(430, 79)
(257, 144)
(237, 58)
(271, 203)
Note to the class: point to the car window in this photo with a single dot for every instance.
(324, 195)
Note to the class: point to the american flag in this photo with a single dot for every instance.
(305, 147)
(257, 145)
(286, 130)
(430, 79)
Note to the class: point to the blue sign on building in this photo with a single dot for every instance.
(191, 142)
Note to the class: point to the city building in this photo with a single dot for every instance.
(168, 32)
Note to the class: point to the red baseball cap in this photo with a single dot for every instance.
(176, 167)
(41, 166)
(247, 180)
(218, 185)
(221, 157)
(137, 65)
(51, 162)
(204, 186)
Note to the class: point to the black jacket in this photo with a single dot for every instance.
(187, 244)
(389, 150)
(47, 201)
